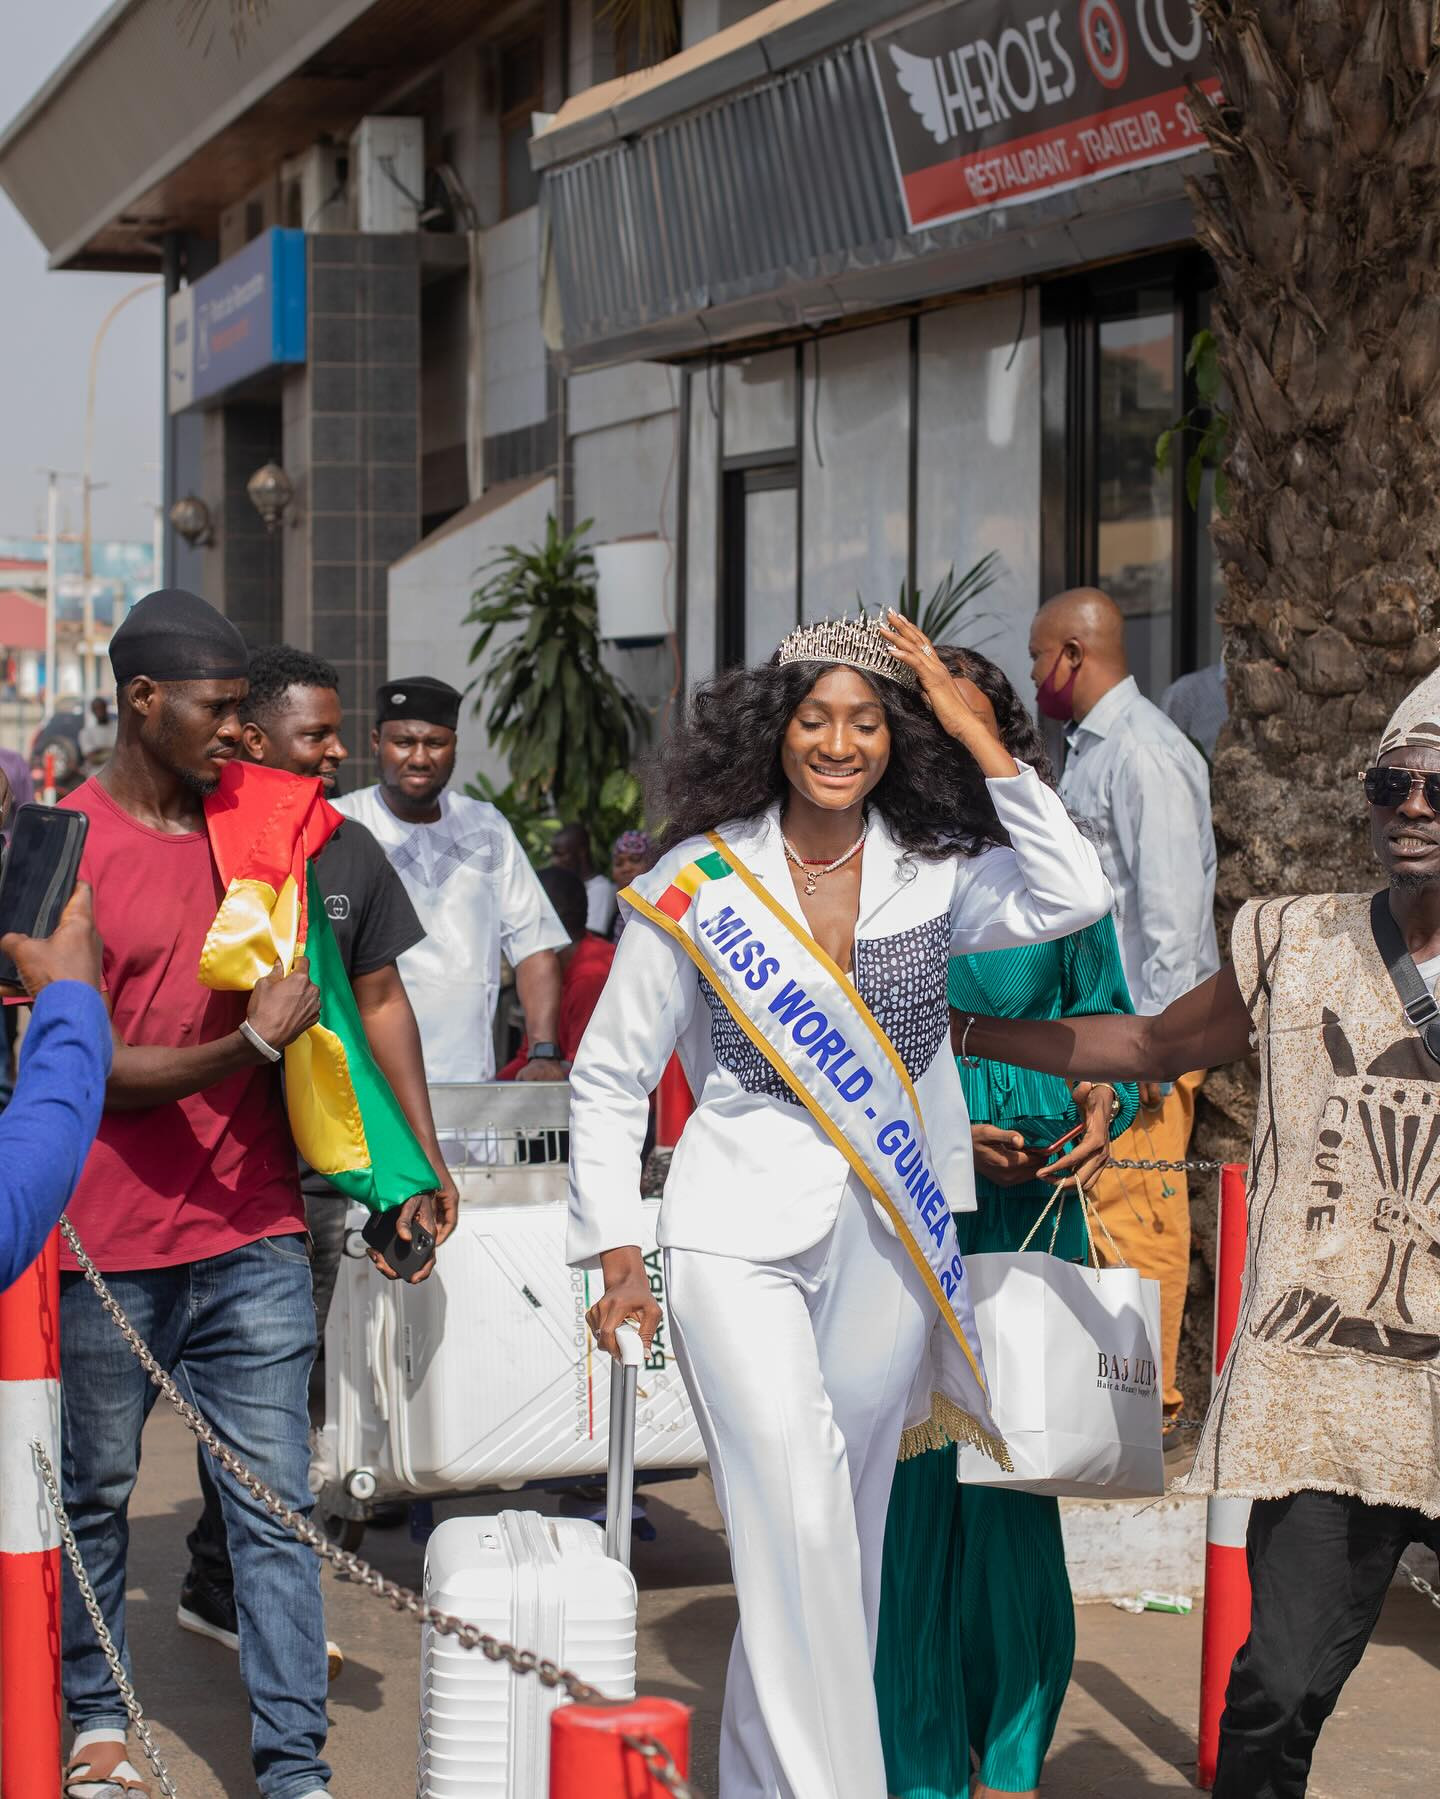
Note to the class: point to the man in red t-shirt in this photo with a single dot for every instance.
(190, 1205)
(584, 967)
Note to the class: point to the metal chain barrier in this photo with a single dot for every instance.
(344, 1561)
(1191, 1165)
(102, 1630)
(658, 1759)
(1420, 1584)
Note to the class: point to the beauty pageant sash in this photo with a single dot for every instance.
(806, 1018)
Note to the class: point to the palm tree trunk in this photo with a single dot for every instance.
(1322, 215)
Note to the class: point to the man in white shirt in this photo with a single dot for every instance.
(1134, 774)
(571, 851)
(472, 886)
(1199, 704)
(97, 739)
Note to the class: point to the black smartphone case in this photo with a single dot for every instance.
(62, 884)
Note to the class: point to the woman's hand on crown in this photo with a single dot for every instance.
(961, 709)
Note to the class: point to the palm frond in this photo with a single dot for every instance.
(197, 19)
(935, 613)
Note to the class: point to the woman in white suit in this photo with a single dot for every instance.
(827, 852)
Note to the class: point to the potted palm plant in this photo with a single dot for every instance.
(562, 720)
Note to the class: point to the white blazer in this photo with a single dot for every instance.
(753, 1175)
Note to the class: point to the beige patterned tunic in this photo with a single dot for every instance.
(1333, 1380)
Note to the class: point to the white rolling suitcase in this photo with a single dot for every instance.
(558, 1586)
(485, 1375)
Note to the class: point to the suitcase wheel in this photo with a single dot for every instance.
(346, 1533)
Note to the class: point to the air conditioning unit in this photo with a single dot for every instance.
(632, 591)
(387, 173)
(313, 189)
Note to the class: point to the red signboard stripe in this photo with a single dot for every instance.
(1121, 137)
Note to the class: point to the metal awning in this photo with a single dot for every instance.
(751, 189)
(144, 130)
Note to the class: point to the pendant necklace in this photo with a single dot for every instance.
(812, 872)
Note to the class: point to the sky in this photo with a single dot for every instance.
(47, 326)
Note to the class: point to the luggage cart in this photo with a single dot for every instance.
(484, 1378)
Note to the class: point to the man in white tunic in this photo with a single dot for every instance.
(472, 886)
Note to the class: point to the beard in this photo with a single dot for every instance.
(203, 785)
(1412, 883)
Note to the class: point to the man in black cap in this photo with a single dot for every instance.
(190, 1205)
(472, 886)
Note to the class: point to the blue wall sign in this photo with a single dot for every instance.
(245, 316)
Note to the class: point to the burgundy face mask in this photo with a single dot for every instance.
(1055, 701)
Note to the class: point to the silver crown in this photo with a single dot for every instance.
(855, 642)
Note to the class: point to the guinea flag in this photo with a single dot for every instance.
(266, 827)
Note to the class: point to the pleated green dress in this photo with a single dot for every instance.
(977, 1625)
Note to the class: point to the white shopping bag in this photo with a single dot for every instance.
(1072, 1354)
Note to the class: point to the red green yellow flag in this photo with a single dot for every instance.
(266, 827)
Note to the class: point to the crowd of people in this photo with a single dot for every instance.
(919, 985)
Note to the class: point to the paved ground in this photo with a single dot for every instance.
(1127, 1731)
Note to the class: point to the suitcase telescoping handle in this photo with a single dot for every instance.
(620, 1481)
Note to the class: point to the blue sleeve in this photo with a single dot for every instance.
(48, 1127)
(1093, 982)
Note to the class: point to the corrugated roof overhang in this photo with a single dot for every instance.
(746, 187)
(143, 130)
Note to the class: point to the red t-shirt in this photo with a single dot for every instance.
(198, 1176)
(580, 990)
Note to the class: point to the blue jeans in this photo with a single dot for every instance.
(237, 1331)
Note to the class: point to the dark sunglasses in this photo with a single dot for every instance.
(1391, 787)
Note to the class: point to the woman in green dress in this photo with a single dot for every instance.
(974, 1583)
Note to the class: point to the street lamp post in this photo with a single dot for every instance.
(87, 632)
(52, 653)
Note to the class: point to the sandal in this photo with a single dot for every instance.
(95, 1774)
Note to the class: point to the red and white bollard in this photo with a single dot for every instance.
(29, 1538)
(47, 784)
(591, 1759)
(1226, 1621)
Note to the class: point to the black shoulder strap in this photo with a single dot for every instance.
(1415, 996)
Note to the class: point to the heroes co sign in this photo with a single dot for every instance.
(988, 102)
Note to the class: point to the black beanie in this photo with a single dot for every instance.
(420, 697)
(176, 636)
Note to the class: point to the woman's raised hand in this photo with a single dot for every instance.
(960, 709)
(627, 1299)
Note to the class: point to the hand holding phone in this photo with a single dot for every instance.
(73, 952)
(41, 866)
(401, 1258)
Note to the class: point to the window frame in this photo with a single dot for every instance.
(518, 114)
(1072, 311)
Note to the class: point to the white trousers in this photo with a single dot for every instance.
(799, 1372)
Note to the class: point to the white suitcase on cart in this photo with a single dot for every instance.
(486, 1375)
(558, 1586)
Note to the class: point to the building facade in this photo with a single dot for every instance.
(833, 298)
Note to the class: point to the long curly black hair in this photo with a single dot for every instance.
(721, 762)
(1013, 718)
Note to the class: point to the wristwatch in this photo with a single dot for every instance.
(544, 1052)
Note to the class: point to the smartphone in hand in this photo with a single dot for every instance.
(42, 865)
(404, 1259)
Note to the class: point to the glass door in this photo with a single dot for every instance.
(761, 562)
(1113, 348)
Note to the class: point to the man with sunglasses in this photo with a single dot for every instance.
(1325, 1415)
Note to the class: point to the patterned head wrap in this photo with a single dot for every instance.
(1416, 724)
(631, 843)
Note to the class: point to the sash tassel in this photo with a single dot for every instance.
(948, 1427)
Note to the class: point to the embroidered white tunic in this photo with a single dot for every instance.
(753, 1175)
(476, 895)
